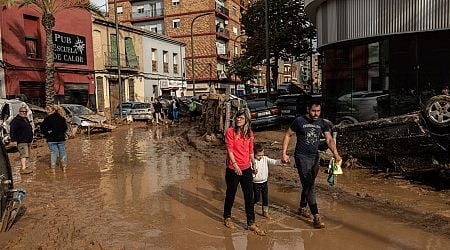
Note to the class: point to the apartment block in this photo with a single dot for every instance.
(216, 35)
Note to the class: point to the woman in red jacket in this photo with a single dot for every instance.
(239, 143)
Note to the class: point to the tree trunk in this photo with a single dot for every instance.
(48, 21)
(275, 71)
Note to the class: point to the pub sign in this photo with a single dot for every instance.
(69, 48)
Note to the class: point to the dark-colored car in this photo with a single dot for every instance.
(263, 113)
(294, 105)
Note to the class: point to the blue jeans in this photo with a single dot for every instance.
(55, 149)
(175, 115)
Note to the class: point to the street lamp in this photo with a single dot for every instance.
(235, 54)
(192, 49)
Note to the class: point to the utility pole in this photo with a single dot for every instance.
(235, 53)
(119, 77)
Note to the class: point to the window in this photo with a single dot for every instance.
(140, 9)
(154, 28)
(154, 60)
(235, 30)
(176, 23)
(153, 10)
(32, 44)
(119, 10)
(165, 62)
(175, 63)
(234, 10)
(175, 2)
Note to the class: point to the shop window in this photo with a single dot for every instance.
(342, 55)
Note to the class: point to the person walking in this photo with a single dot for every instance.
(260, 178)
(158, 110)
(21, 132)
(54, 129)
(308, 129)
(239, 144)
(192, 106)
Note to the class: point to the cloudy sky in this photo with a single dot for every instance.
(100, 3)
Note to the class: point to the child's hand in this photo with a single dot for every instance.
(255, 170)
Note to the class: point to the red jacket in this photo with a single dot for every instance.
(240, 147)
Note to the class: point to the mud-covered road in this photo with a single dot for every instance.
(144, 187)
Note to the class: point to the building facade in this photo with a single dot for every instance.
(23, 56)
(150, 65)
(395, 48)
(216, 35)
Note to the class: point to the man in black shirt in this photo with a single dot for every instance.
(308, 129)
(21, 131)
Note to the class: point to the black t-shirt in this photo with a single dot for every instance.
(157, 106)
(308, 133)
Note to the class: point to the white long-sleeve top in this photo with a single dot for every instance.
(262, 167)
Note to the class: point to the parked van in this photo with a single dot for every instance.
(9, 109)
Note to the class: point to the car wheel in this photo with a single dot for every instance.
(437, 111)
(346, 121)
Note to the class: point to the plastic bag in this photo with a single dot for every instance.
(334, 168)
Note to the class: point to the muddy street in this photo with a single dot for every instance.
(144, 187)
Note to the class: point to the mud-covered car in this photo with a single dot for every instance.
(137, 110)
(417, 141)
(84, 118)
(263, 113)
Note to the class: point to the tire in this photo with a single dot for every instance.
(437, 111)
(6, 180)
(346, 120)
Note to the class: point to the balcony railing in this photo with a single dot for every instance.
(225, 56)
(148, 13)
(223, 32)
(175, 68)
(166, 67)
(126, 62)
(223, 10)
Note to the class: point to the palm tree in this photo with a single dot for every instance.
(48, 10)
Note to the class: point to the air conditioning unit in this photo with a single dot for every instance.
(226, 22)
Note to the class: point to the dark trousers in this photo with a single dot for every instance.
(308, 168)
(261, 190)
(246, 180)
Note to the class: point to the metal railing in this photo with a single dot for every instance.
(223, 32)
(175, 68)
(166, 67)
(222, 9)
(154, 66)
(148, 13)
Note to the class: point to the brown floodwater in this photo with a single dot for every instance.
(142, 188)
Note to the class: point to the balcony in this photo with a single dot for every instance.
(223, 33)
(222, 11)
(148, 14)
(224, 56)
(126, 63)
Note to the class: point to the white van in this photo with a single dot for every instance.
(9, 109)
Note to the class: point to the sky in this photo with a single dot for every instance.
(100, 3)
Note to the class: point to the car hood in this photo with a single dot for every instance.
(93, 118)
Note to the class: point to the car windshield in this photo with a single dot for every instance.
(126, 105)
(253, 104)
(80, 110)
(141, 106)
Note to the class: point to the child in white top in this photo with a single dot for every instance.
(260, 176)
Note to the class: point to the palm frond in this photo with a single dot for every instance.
(82, 4)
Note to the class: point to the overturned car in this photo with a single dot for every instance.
(411, 143)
